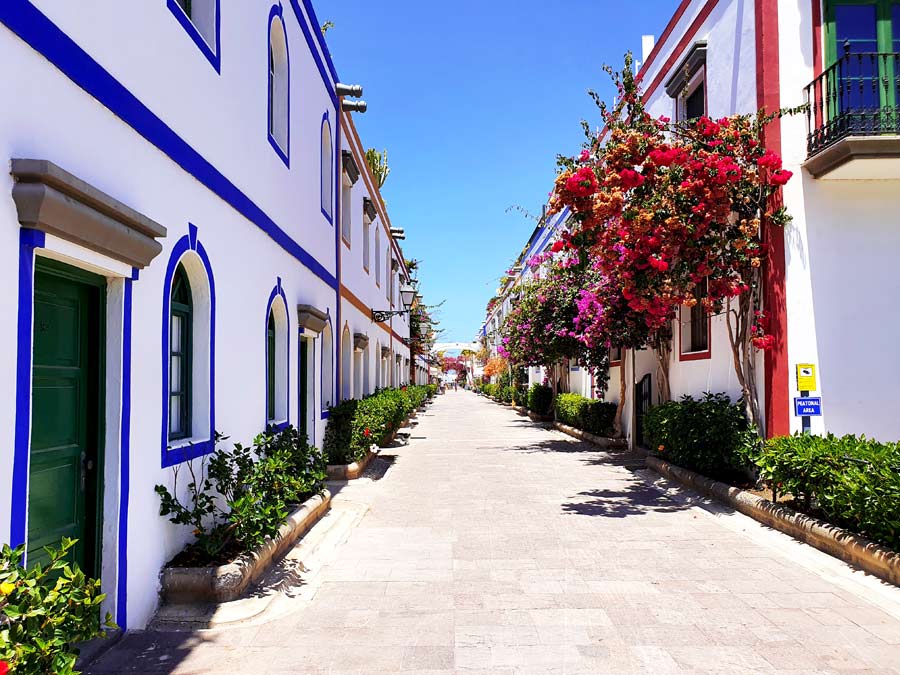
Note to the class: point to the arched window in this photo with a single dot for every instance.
(346, 365)
(327, 161)
(378, 258)
(279, 87)
(181, 313)
(270, 368)
(327, 368)
(277, 349)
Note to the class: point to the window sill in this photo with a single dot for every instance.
(277, 426)
(327, 216)
(346, 241)
(184, 450)
(695, 356)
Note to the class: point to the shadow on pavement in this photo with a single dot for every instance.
(633, 499)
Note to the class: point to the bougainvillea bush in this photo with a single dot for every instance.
(673, 214)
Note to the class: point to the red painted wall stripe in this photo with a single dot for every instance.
(768, 96)
(683, 44)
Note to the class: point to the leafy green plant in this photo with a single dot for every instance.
(45, 611)
(854, 481)
(710, 435)
(540, 399)
(241, 496)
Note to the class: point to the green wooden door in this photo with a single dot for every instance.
(64, 463)
(303, 388)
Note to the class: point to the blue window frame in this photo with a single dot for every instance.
(200, 20)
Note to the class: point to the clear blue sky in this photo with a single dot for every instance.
(473, 100)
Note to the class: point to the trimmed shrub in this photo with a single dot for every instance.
(598, 417)
(354, 425)
(854, 481)
(568, 408)
(710, 435)
(595, 417)
(506, 394)
(540, 399)
(431, 390)
(520, 395)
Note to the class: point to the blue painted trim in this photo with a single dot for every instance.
(125, 460)
(210, 52)
(328, 216)
(320, 38)
(283, 153)
(324, 415)
(28, 241)
(26, 21)
(278, 292)
(172, 456)
(311, 44)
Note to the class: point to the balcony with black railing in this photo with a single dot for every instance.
(853, 113)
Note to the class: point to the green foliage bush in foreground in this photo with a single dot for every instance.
(854, 481)
(595, 417)
(240, 497)
(355, 425)
(710, 435)
(45, 610)
(540, 399)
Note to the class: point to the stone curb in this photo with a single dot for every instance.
(600, 441)
(189, 585)
(354, 470)
(836, 541)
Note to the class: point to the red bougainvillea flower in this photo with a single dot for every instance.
(582, 183)
(763, 342)
(770, 160)
(584, 156)
(558, 246)
(780, 177)
(4, 667)
(630, 178)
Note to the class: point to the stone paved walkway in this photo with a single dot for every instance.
(492, 545)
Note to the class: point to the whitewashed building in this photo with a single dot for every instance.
(171, 228)
(831, 270)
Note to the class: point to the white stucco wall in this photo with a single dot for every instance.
(223, 117)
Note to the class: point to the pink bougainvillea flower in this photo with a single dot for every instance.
(584, 156)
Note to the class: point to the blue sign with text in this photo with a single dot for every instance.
(808, 406)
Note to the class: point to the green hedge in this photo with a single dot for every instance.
(855, 482)
(710, 435)
(540, 399)
(354, 425)
(595, 417)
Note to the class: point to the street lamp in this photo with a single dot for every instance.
(407, 297)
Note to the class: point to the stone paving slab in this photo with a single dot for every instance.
(493, 545)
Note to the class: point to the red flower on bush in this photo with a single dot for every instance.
(780, 177)
(770, 160)
(558, 246)
(366, 433)
(582, 183)
(4, 667)
(763, 342)
(630, 178)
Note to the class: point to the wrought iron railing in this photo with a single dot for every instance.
(859, 95)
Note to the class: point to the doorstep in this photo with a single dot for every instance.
(856, 550)
(190, 585)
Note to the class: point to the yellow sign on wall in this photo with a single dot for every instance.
(806, 377)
